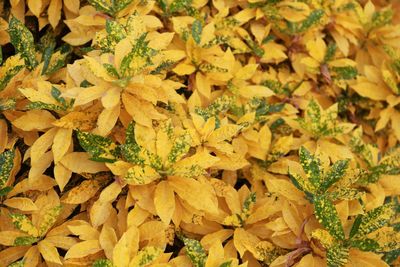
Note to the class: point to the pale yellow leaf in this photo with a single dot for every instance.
(164, 201)
(79, 162)
(83, 249)
(61, 143)
(49, 252)
(126, 247)
(34, 120)
(21, 203)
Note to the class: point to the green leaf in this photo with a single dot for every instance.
(195, 251)
(365, 244)
(10, 68)
(6, 165)
(20, 263)
(373, 220)
(337, 256)
(335, 173)
(58, 59)
(197, 28)
(102, 263)
(22, 39)
(391, 256)
(25, 240)
(330, 52)
(226, 264)
(345, 73)
(100, 148)
(327, 215)
(311, 166)
(4, 191)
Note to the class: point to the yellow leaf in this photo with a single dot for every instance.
(21, 203)
(61, 143)
(126, 247)
(83, 249)
(81, 193)
(317, 49)
(225, 132)
(79, 162)
(54, 12)
(199, 195)
(89, 94)
(34, 120)
(7, 237)
(164, 201)
(49, 252)
(42, 144)
(370, 90)
(61, 175)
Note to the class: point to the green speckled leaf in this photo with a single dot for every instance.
(311, 166)
(337, 256)
(6, 165)
(138, 175)
(49, 219)
(146, 256)
(195, 251)
(327, 215)
(197, 28)
(9, 69)
(372, 220)
(100, 148)
(25, 240)
(221, 104)
(335, 173)
(23, 223)
(138, 58)
(22, 39)
(365, 244)
(180, 148)
(102, 263)
(19, 263)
